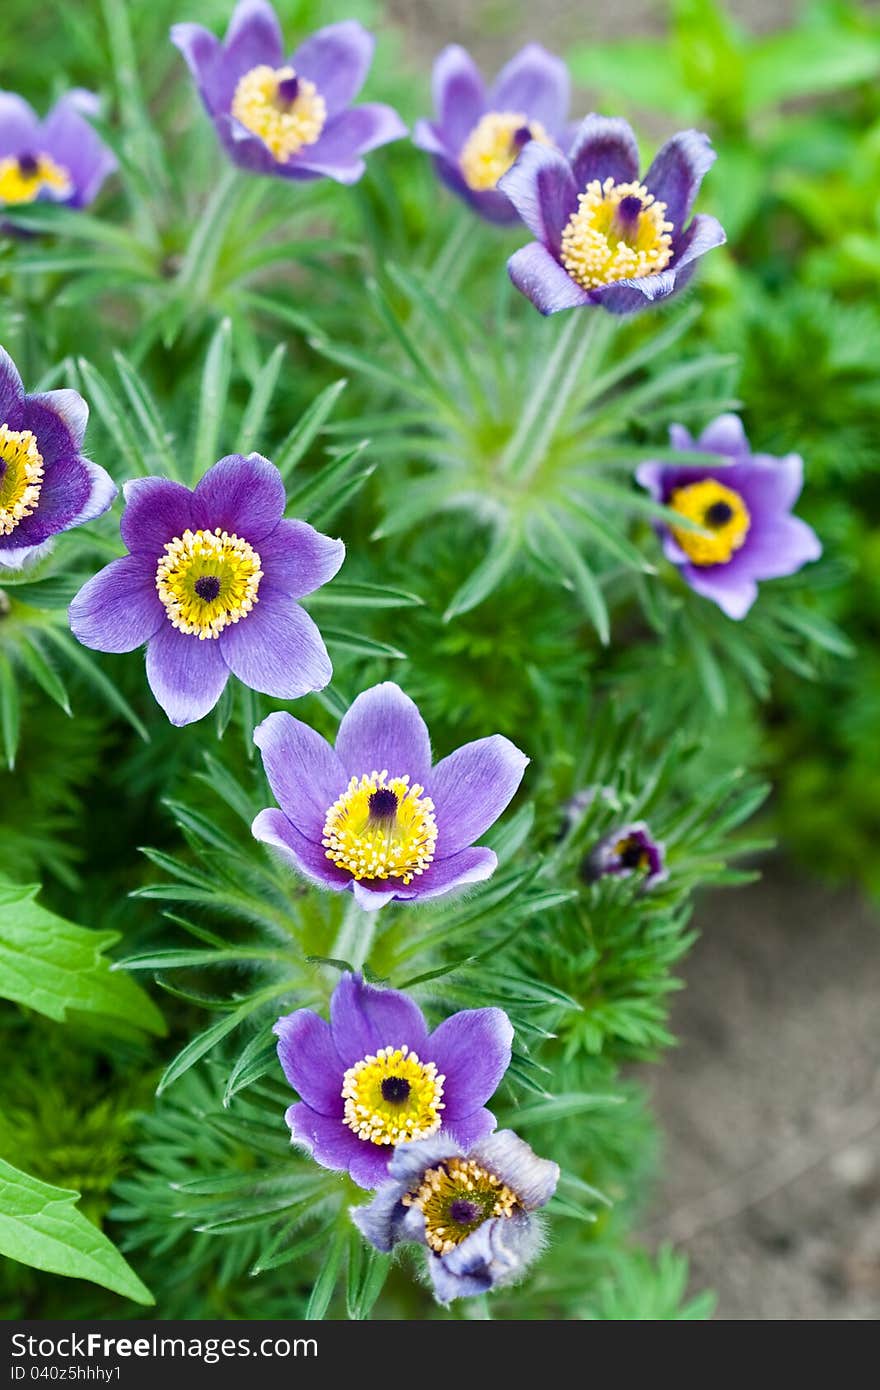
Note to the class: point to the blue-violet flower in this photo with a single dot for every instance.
(61, 159)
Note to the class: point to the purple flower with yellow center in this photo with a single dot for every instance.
(374, 1078)
(479, 134)
(372, 815)
(46, 486)
(630, 851)
(290, 117)
(472, 1205)
(605, 236)
(210, 586)
(59, 160)
(743, 510)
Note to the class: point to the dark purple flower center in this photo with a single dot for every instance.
(718, 514)
(395, 1089)
(383, 804)
(625, 223)
(633, 855)
(521, 137)
(28, 165)
(463, 1212)
(207, 586)
(288, 90)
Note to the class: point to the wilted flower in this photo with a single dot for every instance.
(744, 509)
(374, 1078)
(59, 160)
(603, 235)
(478, 135)
(471, 1205)
(627, 851)
(211, 585)
(292, 117)
(372, 814)
(46, 486)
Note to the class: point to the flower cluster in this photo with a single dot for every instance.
(402, 1110)
(212, 577)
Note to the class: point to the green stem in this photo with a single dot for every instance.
(200, 260)
(547, 403)
(355, 937)
(450, 265)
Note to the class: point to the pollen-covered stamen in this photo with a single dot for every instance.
(455, 1198)
(21, 477)
(619, 232)
(494, 145)
(381, 828)
(392, 1097)
(721, 513)
(24, 177)
(207, 580)
(286, 111)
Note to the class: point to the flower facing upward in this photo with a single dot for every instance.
(59, 160)
(374, 1078)
(46, 486)
(605, 236)
(472, 1206)
(291, 118)
(211, 585)
(371, 814)
(630, 851)
(743, 508)
(479, 134)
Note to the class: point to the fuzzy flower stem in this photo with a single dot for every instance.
(205, 245)
(557, 387)
(355, 937)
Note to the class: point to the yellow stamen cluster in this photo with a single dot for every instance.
(373, 843)
(283, 126)
(494, 145)
(720, 511)
(21, 477)
(602, 244)
(393, 1097)
(456, 1198)
(207, 580)
(22, 181)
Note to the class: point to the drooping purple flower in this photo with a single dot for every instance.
(371, 814)
(472, 1207)
(293, 117)
(743, 508)
(46, 486)
(478, 134)
(210, 585)
(628, 851)
(603, 236)
(61, 159)
(374, 1078)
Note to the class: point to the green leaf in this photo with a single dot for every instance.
(52, 965)
(10, 711)
(212, 398)
(489, 573)
(114, 418)
(307, 428)
(261, 395)
(365, 596)
(46, 677)
(40, 1226)
(361, 646)
(562, 1107)
(325, 1283)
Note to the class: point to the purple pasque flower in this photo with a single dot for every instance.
(471, 1205)
(371, 814)
(627, 851)
(292, 117)
(374, 1078)
(603, 236)
(61, 159)
(744, 509)
(478, 134)
(210, 585)
(46, 485)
